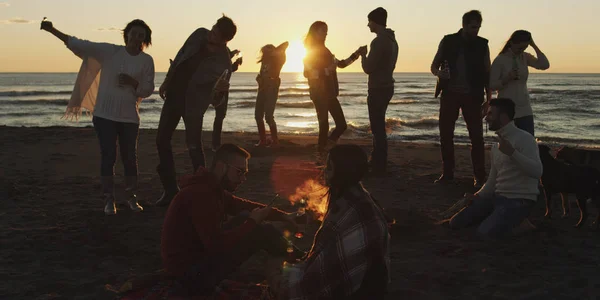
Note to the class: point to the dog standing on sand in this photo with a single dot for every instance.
(576, 156)
(560, 177)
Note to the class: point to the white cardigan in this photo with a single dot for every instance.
(96, 88)
(516, 90)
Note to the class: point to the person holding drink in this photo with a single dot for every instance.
(197, 78)
(510, 72)
(111, 83)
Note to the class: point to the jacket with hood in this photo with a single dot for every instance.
(381, 61)
(192, 232)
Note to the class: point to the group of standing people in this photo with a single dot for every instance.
(200, 247)
(198, 77)
(320, 67)
(467, 80)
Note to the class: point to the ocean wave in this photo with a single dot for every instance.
(571, 109)
(302, 104)
(27, 114)
(403, 101)
(302, 95)
(588, 93)
(35, 102)
(400, 92)
(393, 123)
(255, 89)
(33, 93)
(251, 104)
(243, 104)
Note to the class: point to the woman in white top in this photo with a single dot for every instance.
(111, 83)
(509, 75)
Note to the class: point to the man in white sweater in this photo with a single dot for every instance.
(511, 189)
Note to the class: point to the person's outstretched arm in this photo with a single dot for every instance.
(81, 48)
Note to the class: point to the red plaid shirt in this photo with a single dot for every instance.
(349, 243)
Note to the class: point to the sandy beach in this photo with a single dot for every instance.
(56, 242)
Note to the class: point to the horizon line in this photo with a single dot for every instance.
(250, 72)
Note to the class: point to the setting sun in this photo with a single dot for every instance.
(295, 55)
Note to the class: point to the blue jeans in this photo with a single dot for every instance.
(525, 123)
(496, 215)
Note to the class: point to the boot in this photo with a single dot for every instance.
(273, 129)
(131, 191)
(108, 192)
(169, 182)
(262, 134)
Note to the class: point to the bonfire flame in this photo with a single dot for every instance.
(313, 195)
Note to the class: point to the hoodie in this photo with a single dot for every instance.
(192, 231)
(381, 61)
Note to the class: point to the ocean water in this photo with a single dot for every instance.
(566, 106)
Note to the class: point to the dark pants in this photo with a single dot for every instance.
(220, 113)
(525, 123)
(324, 107)
(496, 215)
(109, 132)
(266, 100)
(377, 102)
(450, 104)
(192, 111)
(201, 279)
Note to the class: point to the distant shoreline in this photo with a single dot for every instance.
(532, 72)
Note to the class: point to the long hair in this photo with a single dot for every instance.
(266, 49)
(350, 166)
(518, 36)
(309, 40)
(137, 22)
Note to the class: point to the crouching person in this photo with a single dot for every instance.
(349, 258)
(511, 190)
(199, 247)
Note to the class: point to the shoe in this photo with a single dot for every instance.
(166, 198)
(134, 205)
(108, 192)
(169, 183)
(131, 191)
(109, 205)
(262, 143)
(445, 179)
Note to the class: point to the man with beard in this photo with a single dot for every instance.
(462, 65)
(511, 189)
(199, 247)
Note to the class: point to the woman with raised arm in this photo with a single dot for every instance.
(271, 61)
(112, 81)
(510, 72)
(320, 68)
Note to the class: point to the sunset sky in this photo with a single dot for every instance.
(567, 31)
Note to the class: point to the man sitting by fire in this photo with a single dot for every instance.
(198, 247)
(349, 258)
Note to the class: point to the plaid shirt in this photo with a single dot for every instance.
(349, 244)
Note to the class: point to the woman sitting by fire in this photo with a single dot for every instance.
(354, 223)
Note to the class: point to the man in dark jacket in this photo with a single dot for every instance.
(462, 64)
(380, 65)
(193, 82)
(199, 247)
